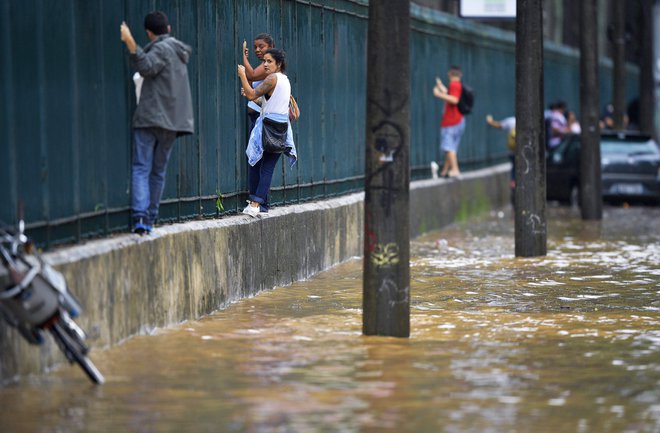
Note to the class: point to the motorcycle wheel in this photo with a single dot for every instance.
(75, 352)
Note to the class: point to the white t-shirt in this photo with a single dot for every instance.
(508, 123)
(138, 80)
(558, 122)
(278, 103)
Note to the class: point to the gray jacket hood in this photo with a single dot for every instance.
(182, 50)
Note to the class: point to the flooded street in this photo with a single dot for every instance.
(569, 342)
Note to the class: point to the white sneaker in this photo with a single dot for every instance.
(434, 170)
(252, 211)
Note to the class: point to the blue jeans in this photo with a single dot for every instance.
(253, 116)
(152, 148)
(260, 177)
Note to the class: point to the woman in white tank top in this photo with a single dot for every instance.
(276, 91)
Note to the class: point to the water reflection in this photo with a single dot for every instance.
(566, 342)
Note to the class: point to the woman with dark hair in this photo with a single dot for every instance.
(262, 43)
(274, 118)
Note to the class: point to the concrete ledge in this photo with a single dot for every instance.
(435, 203)
(129, 285)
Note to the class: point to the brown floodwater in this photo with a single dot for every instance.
(569, 342)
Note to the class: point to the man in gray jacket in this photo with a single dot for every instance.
(164, 112)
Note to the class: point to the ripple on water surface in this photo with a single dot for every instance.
(565, 342)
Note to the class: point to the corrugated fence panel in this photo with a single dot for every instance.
(60, 131)
(561, 77)
(92, 143)
(189, 148)
(26, 105)
(333, 79)
(494, 98)
(354, 117)
(207, 102)
(233, 123)
(116, 167)
(289, 30)
(8, 163)
(68, 100)
(310, 91)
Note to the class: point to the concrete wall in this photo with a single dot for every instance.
(129, 285)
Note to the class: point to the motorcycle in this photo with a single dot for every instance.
(35, 300)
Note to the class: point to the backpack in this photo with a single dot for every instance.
(466, 101)
(511, 140)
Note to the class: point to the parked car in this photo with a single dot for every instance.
(630, 168)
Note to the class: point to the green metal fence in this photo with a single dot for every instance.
(67, 100)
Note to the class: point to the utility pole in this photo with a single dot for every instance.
(619, 59)
(530, 212)
(591, 200)
(646, 81)
(656, 68)
(386, 275)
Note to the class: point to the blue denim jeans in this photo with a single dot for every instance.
(152, 148)
(253, 116)
(260, 177)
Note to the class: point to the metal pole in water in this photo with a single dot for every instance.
(386, 274)
(646, 83)
(530, 211)
(591, 198)
(619, 60)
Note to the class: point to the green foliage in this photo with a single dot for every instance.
(218, 202)
(474, 204)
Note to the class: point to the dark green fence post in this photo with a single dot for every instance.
(530, 231)
(386, 279)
